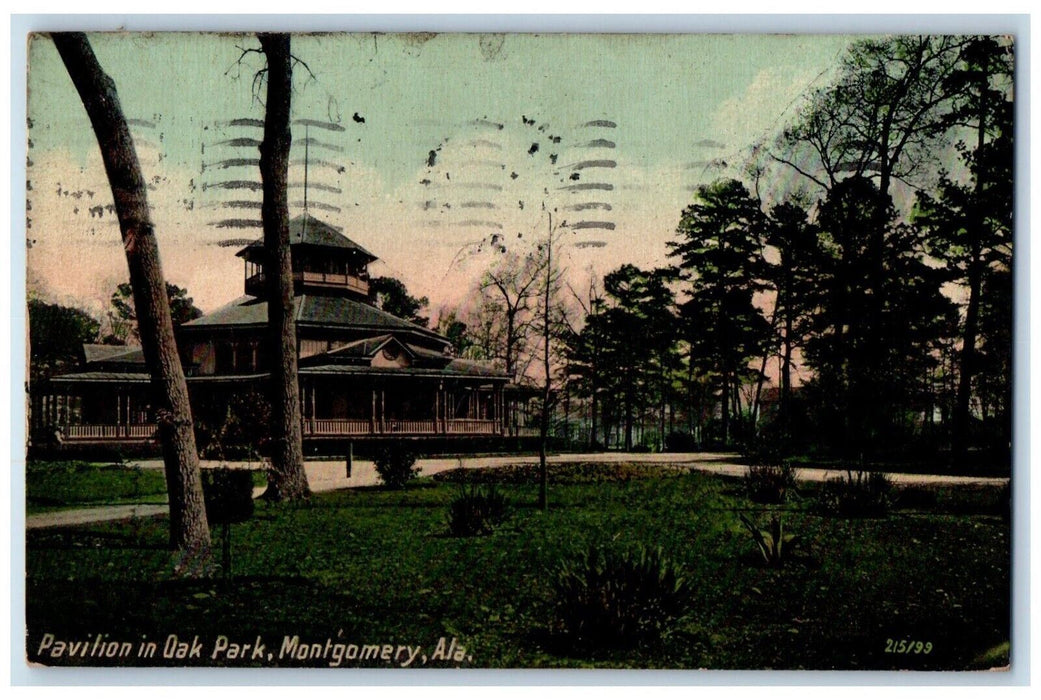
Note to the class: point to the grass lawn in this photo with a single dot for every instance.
(73, 484)
(61, 485)
(369, 566)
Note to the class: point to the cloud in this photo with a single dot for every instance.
(762, 107)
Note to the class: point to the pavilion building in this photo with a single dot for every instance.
(363, 373)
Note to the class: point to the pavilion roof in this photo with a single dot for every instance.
(114, 354)
(307, 230)
(313, 310)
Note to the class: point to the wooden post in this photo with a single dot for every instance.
(383, 410)
(373, 414)
(350, 457)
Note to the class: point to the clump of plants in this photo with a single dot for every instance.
(770, 483)
(609, 599)
(228, 495)
(857, 495)
(476, 511)
(916, 498)
(774, 544)
(396, 466)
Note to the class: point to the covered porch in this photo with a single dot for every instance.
(95, 407)
(98, 408)
(399, 406)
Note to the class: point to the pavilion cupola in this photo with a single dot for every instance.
(325, 262)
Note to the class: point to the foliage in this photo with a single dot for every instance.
(56, 337)
(719, 253)
(968, 224)
(606, 363)
(396, 465)
(476, 511)
(770, 483)
(228, 494)
(775, 546)
(450, 326)
(858, 495)
(123, 317)
(796, 282)
(619, 599)
(882, 313)
(390, 294)
(235, 425)
(841, 133)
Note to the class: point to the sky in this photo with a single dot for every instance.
(436, 152)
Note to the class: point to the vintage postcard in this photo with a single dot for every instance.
(514, 351)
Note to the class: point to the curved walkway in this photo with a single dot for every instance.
(329, 475)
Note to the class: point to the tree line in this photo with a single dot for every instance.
(862, 265)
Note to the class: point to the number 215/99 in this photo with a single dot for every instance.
(907, 646)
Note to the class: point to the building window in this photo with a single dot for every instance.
(225, 357)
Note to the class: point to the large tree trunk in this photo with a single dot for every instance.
(286, 479)
(189, 529)
(967, 365)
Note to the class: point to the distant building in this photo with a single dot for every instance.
(364, 373)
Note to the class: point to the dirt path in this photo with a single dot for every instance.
(332, 475)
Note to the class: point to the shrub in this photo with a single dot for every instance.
(916, 498)
(770, 483)
(396, 466)
(858, 495)
(612, 599)
(476, 511)
(228, 495)
(774, 545)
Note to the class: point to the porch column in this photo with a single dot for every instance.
(497, 402)
(383, 410)
(314, 410)
(373, 414)
(437, 410)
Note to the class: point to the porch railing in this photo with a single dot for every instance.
(324, 427)
(419, 427)
(470, 426)
(337, 426)
(143, 431)
(331, 427)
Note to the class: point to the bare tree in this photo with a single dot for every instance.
(286, 478)
(189, 529)
(880, 119)
(511, 290)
